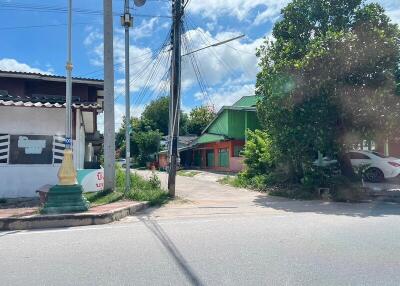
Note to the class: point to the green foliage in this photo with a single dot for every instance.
(156, 114)
(187, 173)
(345, 190)
(146, 131)
(331, 75)
(146, 144)
(258, 153)
(103, 197)
(234, 181)
(141, 189)
(199, 118)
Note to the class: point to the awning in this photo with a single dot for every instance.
(209, 138)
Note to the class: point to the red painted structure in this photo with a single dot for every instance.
(235, 162)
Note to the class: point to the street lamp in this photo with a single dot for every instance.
(67, 196)
(127, 21)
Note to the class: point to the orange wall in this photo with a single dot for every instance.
(234, 162)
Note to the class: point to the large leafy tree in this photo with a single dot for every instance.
(332, 74)
(199, 118)
(157, 114)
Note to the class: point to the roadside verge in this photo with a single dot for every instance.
(97, 215)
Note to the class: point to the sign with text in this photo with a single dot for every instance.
(31, 149)
(92, 180)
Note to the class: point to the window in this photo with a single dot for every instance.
(237, 149)
(379, 154)
(356, 155)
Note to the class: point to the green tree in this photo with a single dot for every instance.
(258, 152)
(330, 75)
(199, 118)
(146, 144)
(157, 115)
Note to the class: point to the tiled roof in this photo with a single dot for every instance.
(43, 101)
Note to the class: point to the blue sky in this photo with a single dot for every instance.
(227, 72)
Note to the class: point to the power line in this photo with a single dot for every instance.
(213, 45)
(227, 67)
(62, 9)
(42, 26)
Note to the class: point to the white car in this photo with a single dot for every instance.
(378, 166)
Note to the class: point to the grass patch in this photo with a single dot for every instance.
(187, 173)
(104, 197)
(141, 190)
(233, 181)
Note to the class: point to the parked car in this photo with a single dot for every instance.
(121, 162)
(377, 166)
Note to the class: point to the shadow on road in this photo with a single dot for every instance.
(180, 261)
(376, 209)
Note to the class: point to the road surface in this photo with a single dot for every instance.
(216, 235)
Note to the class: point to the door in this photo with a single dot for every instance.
(210, 158)
(197, 158)
(358, 159)
(223, 158)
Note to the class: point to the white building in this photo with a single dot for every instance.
(32, 128)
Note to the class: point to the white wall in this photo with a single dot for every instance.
(32, 120)
(24, 180)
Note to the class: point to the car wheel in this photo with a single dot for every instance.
(374, 175)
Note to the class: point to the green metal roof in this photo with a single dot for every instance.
(208, 138)
(246, 101)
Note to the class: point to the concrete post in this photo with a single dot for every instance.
(109, 120)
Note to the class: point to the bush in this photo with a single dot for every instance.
(258, 153)
(345, 190)
(141, 189)
(232, 181)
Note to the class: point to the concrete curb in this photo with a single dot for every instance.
(70, 220)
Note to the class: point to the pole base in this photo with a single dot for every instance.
(65, 199)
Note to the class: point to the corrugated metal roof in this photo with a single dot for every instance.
(246, 101)
(209, 138)
(42, 76)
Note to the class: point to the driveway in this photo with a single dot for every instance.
(202, 196)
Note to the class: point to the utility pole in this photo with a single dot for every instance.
(66, 196)
(126, 21)
(109, 120)
(177, 12)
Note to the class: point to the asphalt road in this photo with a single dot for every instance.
(204, 240)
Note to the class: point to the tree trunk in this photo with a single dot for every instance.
(345, 165)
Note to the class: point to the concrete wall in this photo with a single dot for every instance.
(32, 120)
(24, 180)
(236, 164)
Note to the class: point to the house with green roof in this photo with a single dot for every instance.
(221, 142)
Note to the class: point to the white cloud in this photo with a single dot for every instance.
(235, 61)
(267, 10)
(392, 8)
(119, 113)
(142, 59)
(394, 14)
(229, 70)
(226, 95)
(7, 64)
(144, 29)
